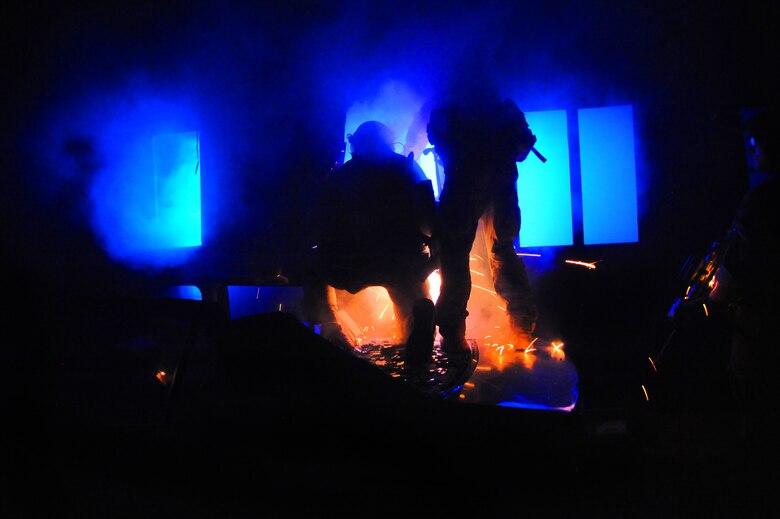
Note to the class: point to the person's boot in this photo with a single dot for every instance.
(453, 343)
(419, 346)
(521, 332)
(334, 333)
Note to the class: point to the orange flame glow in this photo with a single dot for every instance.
(434, 281)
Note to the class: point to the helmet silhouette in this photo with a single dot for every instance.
(371, 139)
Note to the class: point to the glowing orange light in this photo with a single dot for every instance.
(162, 376)
(528, 361)
(477, 272)
(706, 312)
(557, 353)
(434, 282)
(647, 397)
(383, 311)
(469, 384)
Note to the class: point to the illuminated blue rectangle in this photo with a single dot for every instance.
(250, 300)
(608, 173)
(544, 189)
(187, 292)
(177, 190)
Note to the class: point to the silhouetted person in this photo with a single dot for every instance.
(747, 281)
(375, 219)
(479, 138)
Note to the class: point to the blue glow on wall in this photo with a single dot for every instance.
(608, 173)
(177, 190)
(544, 189)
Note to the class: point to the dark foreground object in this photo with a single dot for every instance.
(261, 417)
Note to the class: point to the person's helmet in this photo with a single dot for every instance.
(371, 139)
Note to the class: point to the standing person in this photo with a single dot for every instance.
(374, 223)
(747, 282)
(479, 138)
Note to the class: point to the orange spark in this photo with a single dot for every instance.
(477, 272)
(583, 263)
(652, 364)
(383, 311)
(647, 397)
(706, 312)
(485, 289)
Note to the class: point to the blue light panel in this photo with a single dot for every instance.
(544, 189)
(250, 300)
(177, 190)
(188, 292)
(608, 173)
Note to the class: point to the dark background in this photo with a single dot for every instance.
(273, 82)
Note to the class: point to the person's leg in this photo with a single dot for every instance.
(459, 212)
(502, 225)
(404, 293)
(319, 306)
